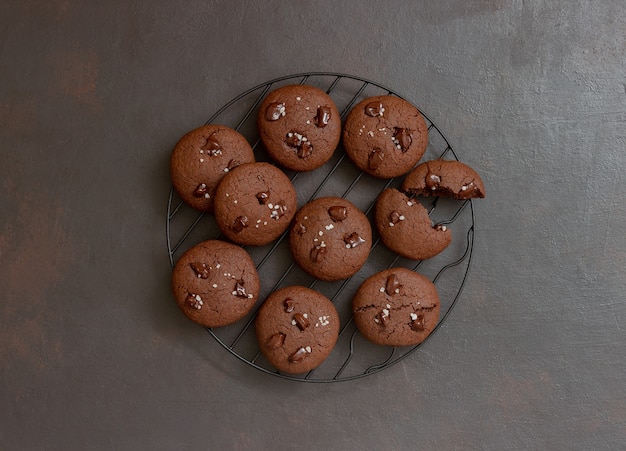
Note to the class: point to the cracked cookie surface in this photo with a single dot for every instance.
(201, 158)
(215, 283)
(396, 307)
(299, 126)
(330, 238)
(444, 178)
(385, 136)
(254, 204)
(296, 328)
(405, 227)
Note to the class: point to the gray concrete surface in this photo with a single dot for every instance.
(95, 355)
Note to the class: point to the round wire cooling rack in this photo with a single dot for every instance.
(353, 356)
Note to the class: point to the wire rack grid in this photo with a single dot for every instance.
(353, 357)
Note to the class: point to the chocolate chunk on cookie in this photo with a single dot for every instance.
(330, 238)
(405, 227)
(215, 283)
(385, 136)
(299, 126)
(396, 307)
(296, 328)
(254, 204)
(200, 160)
(444, 178)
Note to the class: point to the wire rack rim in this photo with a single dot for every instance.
(467, 255)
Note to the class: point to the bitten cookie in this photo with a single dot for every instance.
(215, 283)
(385, 136)
(297, 328)
(405, 227)
(201, 158)
(330, 238)
(299, 126)
(444, 178)
(254, 204)
(396, 307)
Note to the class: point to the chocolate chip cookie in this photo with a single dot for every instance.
(215, 283)
(444, 178)
(405, 227)
(299, 126)
(385, 136)
(254, 204)
(330, 238)
(396, 307)
(200, 160)
(297, 328)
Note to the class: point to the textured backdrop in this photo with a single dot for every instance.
(94, 353)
